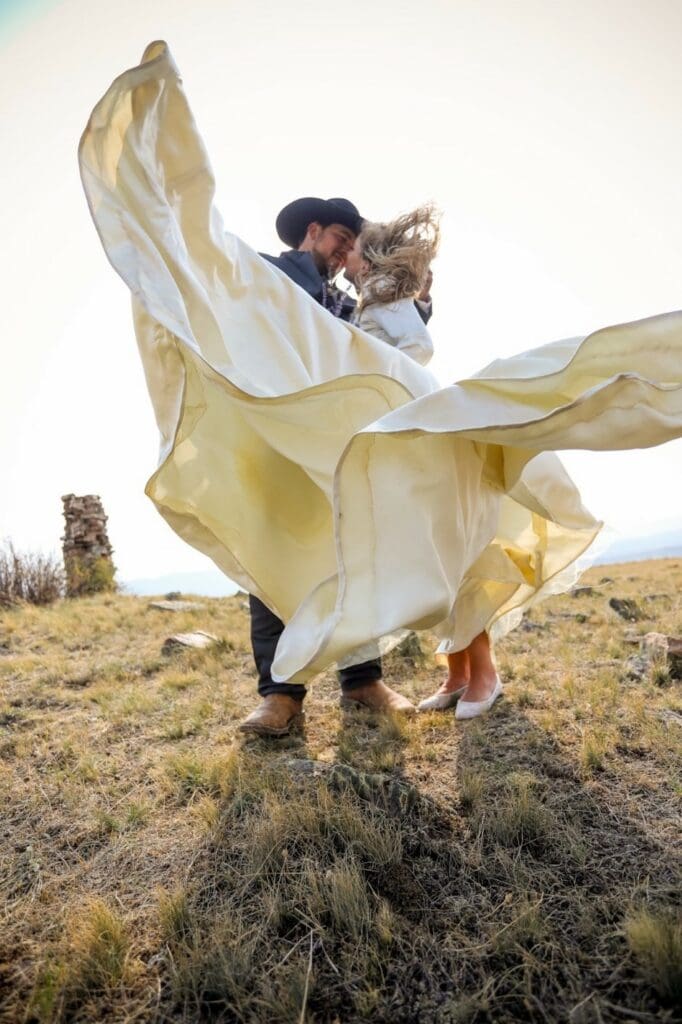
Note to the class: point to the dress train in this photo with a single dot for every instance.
(321, 469)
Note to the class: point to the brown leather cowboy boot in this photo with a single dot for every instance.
(376, 696)
(275, 716)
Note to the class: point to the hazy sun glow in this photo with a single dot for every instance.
(548, 134)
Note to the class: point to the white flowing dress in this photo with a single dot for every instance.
(320, 468)
(399, 324)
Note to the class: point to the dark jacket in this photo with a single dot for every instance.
(301, 268)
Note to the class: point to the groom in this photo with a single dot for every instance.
(320, 233)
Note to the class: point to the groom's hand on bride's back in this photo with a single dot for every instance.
(422, 300)
(425, 293)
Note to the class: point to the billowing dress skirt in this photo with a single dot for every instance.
(321, 469)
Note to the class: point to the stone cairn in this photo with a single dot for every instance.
(87, 552)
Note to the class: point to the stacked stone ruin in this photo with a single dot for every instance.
(87, 552)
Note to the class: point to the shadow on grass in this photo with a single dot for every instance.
(564, 867)
(343, 892)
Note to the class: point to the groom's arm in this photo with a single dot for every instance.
(425, 309)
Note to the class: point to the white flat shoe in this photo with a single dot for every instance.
(440, 701)
(474, 708)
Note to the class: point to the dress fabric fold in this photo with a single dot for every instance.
(322, 469)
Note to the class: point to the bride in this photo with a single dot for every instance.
(388, 265)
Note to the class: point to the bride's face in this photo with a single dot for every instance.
(356, 267)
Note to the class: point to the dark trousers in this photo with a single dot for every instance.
(266, 630)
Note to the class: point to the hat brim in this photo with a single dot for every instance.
(292, 222)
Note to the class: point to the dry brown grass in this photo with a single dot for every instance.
(520, 867)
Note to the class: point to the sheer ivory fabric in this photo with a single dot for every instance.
(320, 468)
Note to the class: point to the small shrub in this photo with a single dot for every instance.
(29, 577)
(90, 577)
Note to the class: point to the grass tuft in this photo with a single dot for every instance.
(95, 962)
(344, 894)
(313, 824)
(471, 789)
(519, 818)
(655, 939)
(191, 775)
(175, 916)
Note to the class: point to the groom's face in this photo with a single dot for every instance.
(330, 246)
(356, 266)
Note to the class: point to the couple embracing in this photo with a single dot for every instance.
(313, 460)
(389, 266)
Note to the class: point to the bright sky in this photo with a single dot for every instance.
(548, 133)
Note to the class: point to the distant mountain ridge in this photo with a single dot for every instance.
(206, 583)
(212, 583)
(639, 549)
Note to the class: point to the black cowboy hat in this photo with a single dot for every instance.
(292, 222)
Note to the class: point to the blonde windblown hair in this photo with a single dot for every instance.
(399, 254)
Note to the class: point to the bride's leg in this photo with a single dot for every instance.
(452, 686)
(459, 672)
(483, 674)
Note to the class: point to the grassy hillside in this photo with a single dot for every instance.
(154, 866)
